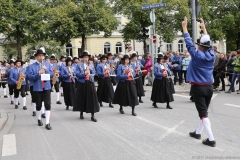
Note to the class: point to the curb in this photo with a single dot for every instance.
(3, 119)
(7, 125)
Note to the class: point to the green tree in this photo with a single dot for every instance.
(168, 19)
(80, 18)
(9, 52)
(22, 21)
(223, 20)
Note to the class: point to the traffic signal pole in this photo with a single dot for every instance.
(153, 45)
(194, 22)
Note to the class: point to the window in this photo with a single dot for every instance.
(69, 49)
(169, 46)
(118, 47)
(180, 46)
(107, 47)
(119, 27)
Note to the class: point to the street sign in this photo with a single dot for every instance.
(154, 39)
(152, 17)
(152, 6)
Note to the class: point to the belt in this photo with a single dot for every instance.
(199, 84)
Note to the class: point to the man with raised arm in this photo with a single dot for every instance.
(200, 76)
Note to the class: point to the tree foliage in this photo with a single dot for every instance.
(9, 53)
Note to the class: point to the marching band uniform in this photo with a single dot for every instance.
(74, 65)
(68, 86)
(56, 85)
(138, 80)
(62, 59)
(86, 100)
(3, 84)
(162, 90)
(10, 83)
(110, 62)
(14, 77)
(126, 93)
(105, 91)
(41, 89)
(199, 75)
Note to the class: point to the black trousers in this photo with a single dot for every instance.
(113, 80)
(3, 84)
(185, 75)
(56, 86)
(32, 96)
(143, 79)
(179, 73)
(22, 90)
(202, 96)
(43, 96)
(11, 89)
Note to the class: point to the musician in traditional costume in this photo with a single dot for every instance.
(68, 77)
(3, 68)
(162, 90)
(199, 74)
(111, 62)
(40, 73)
(56, 81)
(17, 76)
(126, 92)
(11, 84)
(86, 96)
(62, 60)
(138, 78)
(74, 65)
(105, 91)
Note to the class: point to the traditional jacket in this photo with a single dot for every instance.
(65, 74)
(80, 72)
(201, 66)
(14, 75)
(169, 66)
(33, 75)
(158, 73)
(101, 69)
(177, 60)
(135, 65)
(121, 73)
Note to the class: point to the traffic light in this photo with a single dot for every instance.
(145, 31)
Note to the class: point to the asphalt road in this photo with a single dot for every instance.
(155, 134)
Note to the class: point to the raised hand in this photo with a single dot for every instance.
(185, 21)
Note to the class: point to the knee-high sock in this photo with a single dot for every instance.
(39, 114)
(16, 101)
(12, 98)
(200, 128)
(47, 114)
(207, 127)
(61, 89)
(24, 101)
(114, 88)
(34, 107)
(43, 108)
(57, 96)
(4, 91)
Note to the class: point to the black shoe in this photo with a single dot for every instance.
(5, 96)
(93, 119)
(134, 114)
(18, 103)
(48, 127)
(11, 102)
(67, 107)
(121, 111)
(168, 107)
(40, 123)
(222, 90)
(16, 106)
(81, 117)
(110, 105)
(34, 113)
(191, 99)
(148, 85)
(52, 91)
(140, 101)
(194, 135)
(24, 107)
(58, 102)
(43, 115)
(209, 143)
(27, 94)
(100, 104)
(155, 105)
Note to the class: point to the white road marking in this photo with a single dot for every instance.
(9, 145)
(232, 105)
(179, 95)
(214, 95)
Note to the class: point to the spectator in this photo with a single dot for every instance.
(148, 67)
(170, 55)
(177, 68)
(236, 64)
(216, 61)
(220, 69)
(185, 64)
(230, 67)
